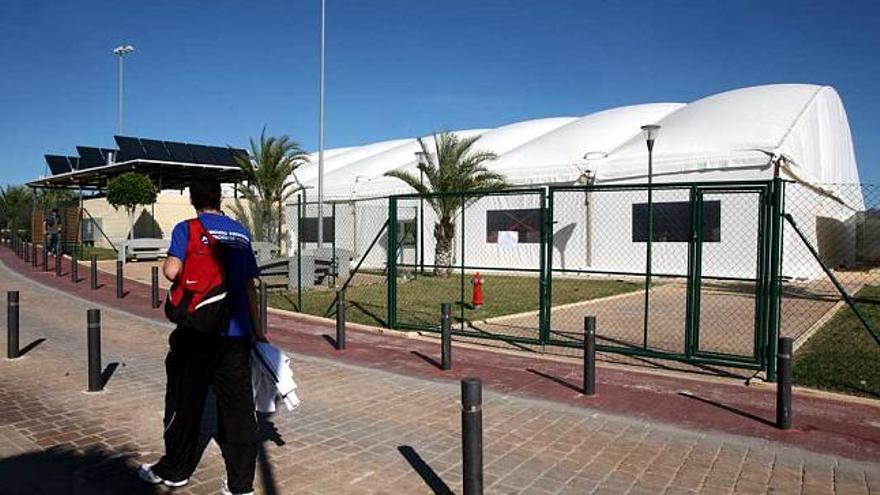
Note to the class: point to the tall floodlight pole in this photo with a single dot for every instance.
(421, 161)
(650, 132)
(121, 51)
(321, 133)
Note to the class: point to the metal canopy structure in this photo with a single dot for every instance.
(170, 164)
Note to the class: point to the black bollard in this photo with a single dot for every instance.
(94, 339)
(119, 280)
(264, 307)
(340, 320)
(154, 285)
(45, 258)
(57, 264)
(74, 268)
(446, 336)
(589, 355)
(472, 436)
(27, 253)
(12, 350)
(34, 254)
(93, 272)
(783, 385)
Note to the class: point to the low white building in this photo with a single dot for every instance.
(742, 136)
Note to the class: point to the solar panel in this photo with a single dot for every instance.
(202, 154)
(57, 164)
(223, 156)
(90, 157)
(239, 152)
(73, 161)
(155, 150)
(179, 152)
(129, 149)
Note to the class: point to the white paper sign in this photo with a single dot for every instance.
(508, 238)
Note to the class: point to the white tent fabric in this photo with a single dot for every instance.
(558, 156)
(735, 135)
(802, 124)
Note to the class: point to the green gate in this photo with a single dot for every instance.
(684, 271)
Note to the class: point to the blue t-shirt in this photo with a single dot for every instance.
(239, 260)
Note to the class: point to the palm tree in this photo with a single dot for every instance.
(270, 183)
(456, 168)
(16, 203)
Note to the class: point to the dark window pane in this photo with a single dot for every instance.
(310, 229)
(406, 233)
(672, 221)
(527, 223)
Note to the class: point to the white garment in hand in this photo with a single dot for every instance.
(271, 376)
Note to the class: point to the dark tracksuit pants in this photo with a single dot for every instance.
(195, 362)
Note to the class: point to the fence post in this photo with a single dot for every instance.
(93, 318)
(57, 263)
(119, 280)
(93, 272)
(34, 254)
(27, 252)
(472, 436)
(589, 355)
(340, 320)
(154, 285)
(45, 258)
(74, 268)
(12, 350)
(446, 336)
(783, 385)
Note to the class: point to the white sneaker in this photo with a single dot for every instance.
(146, 474)
(224, 490)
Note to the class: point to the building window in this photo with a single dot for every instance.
(406, 233)
(310, 229)
(672, 222)
(527, 223)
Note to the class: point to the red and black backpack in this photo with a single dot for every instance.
(199, 299)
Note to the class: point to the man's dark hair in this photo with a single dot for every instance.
(204, 192)
(55, 210)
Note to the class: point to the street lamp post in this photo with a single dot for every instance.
(321, 132)
(650, 132)
(121, 51)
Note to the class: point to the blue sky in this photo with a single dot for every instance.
(216, 72)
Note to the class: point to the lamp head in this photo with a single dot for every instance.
(650, 132)
(123, 50)
(421, 157)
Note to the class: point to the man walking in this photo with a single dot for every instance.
(220, 360)
(51, 229)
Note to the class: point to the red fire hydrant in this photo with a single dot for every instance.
(477, 300)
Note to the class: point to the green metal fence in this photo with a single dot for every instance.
(732, 266)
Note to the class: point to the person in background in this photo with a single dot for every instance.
(196, 360)
(51, 230)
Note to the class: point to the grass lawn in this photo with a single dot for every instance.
(418, 300)
(101, 253)
(842, 356)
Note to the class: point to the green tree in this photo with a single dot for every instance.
(16, 204)
(455, 168)
(129, 191)
(271, 181)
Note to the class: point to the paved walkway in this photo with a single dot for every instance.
(363, 430)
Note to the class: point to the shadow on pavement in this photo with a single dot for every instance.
(433, 362)
(108, 373)
(434, 482)
(26, 349)
(556, 380)
(63, 470)
(728, 408)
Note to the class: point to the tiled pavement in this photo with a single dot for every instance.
(359, 430)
